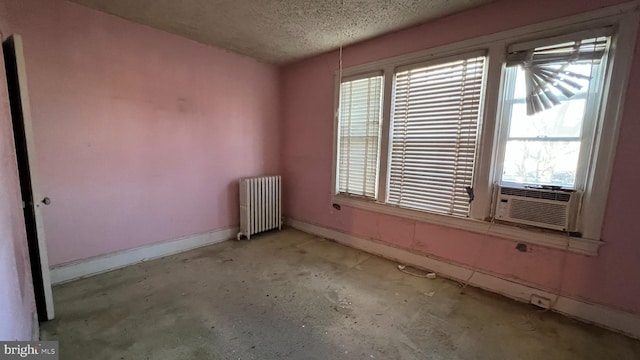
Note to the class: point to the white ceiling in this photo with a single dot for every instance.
(280, 31)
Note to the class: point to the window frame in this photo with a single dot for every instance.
(481, 105)
(590, 121)
(624, 17)
(336, 188)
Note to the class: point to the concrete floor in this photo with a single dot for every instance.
(290, 295)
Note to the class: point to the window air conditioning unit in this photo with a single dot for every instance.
(546, 208)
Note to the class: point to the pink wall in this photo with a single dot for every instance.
(308, 89)
(16, 290)
(140, 135)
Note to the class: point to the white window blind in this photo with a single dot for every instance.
(435, 126)
(360, 117)
(548, 73)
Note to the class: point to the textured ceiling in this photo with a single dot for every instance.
(280, 31)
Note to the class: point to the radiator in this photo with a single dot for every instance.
(260, 205)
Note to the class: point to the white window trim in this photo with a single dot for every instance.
(337, 129)
(625, 17)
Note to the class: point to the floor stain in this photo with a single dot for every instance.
(290, 295)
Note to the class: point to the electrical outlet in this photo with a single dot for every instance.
(540, 301)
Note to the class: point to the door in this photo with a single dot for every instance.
(32, 201)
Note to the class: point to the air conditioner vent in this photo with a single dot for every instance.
(539, 212)
(546, 208)
(537, 194)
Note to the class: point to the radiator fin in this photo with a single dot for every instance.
(260, 205)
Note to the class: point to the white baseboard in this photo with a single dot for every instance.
(613, 319)
(35, 327)
(96, 265)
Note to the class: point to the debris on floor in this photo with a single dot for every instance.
(416, 272)
(212, 309)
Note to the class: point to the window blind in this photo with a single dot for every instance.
(548, 80)
(360, 118)
(435, 126)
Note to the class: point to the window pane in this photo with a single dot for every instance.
(564, 120)
(549, 107)
(362, 171)
(358, 136)
(541, 162)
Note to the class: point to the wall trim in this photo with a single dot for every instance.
(35, 326)
(609, 318)
(577, 245)
(96, 265)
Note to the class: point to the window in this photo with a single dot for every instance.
(434, 129)
(551, 102)
(428, 136)
(360, 113)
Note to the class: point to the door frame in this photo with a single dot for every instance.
(37, 247)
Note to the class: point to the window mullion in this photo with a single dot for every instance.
(590, 123)
(385, 136)
(480, 207)
(503, 114)
(366, 140)
(348, 136)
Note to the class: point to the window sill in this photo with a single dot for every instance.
(573, 244)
